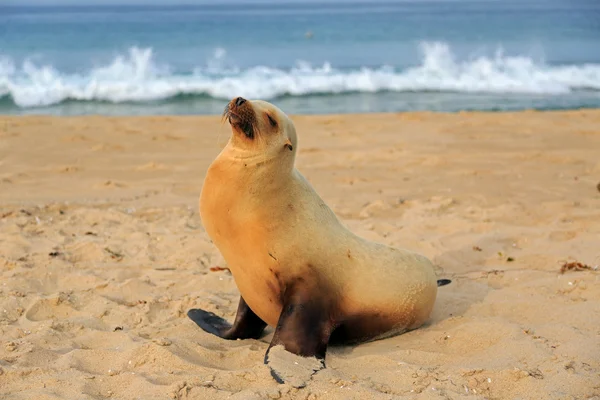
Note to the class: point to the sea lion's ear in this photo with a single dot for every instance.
(288, 144)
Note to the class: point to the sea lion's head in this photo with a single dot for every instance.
(259, 126)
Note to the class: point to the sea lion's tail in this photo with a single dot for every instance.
(443, 282)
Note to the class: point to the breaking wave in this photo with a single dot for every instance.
(137, 77)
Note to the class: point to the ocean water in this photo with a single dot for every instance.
(307, 57)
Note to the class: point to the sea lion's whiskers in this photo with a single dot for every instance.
(224, 117)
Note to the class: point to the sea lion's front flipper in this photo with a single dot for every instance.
(299, 343)
(247, 325)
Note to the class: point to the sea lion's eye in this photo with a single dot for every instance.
(272, 121)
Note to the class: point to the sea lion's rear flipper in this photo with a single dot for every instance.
(247, 325)
(299, 343)
(443, 282)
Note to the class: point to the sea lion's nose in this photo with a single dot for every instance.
(239, 101)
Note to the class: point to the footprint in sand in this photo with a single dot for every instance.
(57, 307)
(159, 311)
(86, 252)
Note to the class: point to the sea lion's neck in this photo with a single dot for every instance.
(267, 159)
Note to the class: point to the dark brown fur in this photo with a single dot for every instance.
(242, 117)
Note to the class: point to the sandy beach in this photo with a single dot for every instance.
(102, 253)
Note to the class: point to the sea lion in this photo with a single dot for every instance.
(297, 267)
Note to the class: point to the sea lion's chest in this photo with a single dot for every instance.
(257, 275)
(262, 290)
(242, 235)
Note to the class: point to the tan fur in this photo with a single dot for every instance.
(272, 228)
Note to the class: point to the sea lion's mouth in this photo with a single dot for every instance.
(242, 125)
(241, 118)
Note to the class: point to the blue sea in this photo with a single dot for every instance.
(307, 57)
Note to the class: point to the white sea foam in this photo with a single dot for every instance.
(136, 77)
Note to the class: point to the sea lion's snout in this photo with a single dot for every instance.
(237, 106)
(240, 114)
